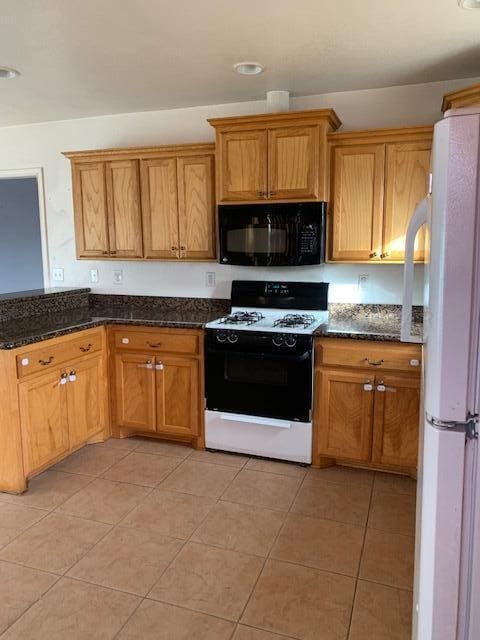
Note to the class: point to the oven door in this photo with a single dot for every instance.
(272, 235)
(275, 385)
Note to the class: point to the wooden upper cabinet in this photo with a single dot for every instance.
(357, 202)
(123, 205)
(160, 208)
(242, 159)
(466, 97)
(44, 420)
(396, 420)
(276, 156)
(196, 207)
(293, 163)
(91, 226)
(406, 183)
(377, 179)
(146, 203)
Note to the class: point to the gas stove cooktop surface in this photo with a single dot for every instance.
(271, 320)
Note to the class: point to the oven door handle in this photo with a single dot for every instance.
(262, 356)
(266, 422)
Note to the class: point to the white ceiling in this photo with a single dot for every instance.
(92, 57)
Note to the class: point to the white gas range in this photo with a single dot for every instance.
(259, 369)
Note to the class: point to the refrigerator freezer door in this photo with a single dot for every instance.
(451, 269)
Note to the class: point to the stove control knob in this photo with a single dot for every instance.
(277, 341)
(290, 341)
(232, 338)
(221, 336)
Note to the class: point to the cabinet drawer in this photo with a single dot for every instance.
(368, 355)
(45, 357)
(161, 341)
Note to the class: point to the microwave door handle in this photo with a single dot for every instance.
(418, 219)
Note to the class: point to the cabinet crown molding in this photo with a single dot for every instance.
(140, 152)
(286, 118)
(466, 97)
(389, 134)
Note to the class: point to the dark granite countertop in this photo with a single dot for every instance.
(43, 319)
(18, 333)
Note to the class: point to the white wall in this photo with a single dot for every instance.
(40, 145)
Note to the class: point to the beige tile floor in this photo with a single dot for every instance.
(141, 540)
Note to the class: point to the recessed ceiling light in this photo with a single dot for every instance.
(248, 68)
(469, 4)
(6, 73)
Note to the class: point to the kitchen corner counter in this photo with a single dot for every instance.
(184, 313)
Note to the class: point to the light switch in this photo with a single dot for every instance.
(117, 276)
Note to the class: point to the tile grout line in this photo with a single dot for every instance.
(267, 557)
(360, 559)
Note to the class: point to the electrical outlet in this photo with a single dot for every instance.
(211, 278)
(363, 281)
(118, 276)
(94, 276)
(58, 274)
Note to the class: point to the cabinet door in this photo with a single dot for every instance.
(160, 208)
(196, 207)
(396, 420)
(135, 391)
(124, 215)
(242, 166)
(293, 163)
(178, 386)
(343, 414)
(357, 190)
(44, 420)
(86, 398)
(91, 228)
(406, 183)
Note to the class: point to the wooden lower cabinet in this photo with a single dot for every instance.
(177, 386)
(158, 393)
(43, 419)
(345, 412)
(86, 400)
(158, 383)
(367, 416)
(135, 391)
(396, 420)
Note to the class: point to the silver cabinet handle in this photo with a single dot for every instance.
(381, 387)
(367, 386)
(147, 365)
(159, 366)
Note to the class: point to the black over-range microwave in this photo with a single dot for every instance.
(272, 235)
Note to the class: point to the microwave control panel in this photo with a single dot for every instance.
(308, 239)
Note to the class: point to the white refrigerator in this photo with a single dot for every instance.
(447, 563)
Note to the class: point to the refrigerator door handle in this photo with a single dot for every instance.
(418, 219)
(469, 426)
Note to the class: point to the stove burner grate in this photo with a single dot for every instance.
(242, 317)
(295, 320)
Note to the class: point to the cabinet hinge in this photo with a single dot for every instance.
(468, 426)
